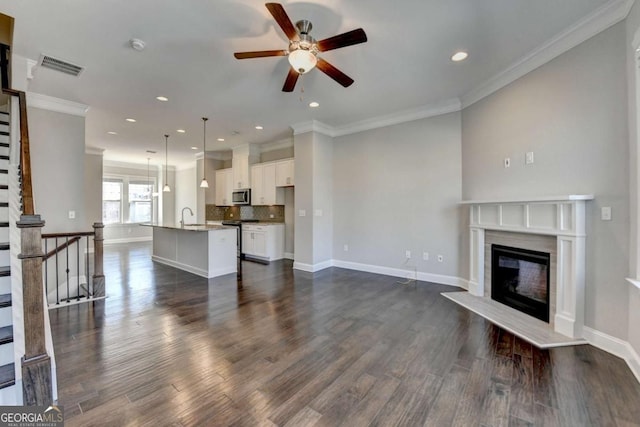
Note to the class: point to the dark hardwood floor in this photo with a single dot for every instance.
(339, 347)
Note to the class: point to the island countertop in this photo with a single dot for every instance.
(188, 227)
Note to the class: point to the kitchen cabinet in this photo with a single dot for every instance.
(263, 185)
(263, 241)
(224, 187)
(284, 173)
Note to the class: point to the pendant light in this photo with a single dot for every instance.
(166, 188)
(204, 183)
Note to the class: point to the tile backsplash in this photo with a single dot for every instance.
(262, 213)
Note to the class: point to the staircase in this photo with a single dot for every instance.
(7, 356)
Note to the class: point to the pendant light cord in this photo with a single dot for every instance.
(166, 159)
(204, 149)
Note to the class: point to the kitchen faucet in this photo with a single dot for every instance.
(182, 220)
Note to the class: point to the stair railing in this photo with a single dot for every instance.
(72, 253)
(37, 374)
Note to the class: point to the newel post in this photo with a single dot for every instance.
(36, 364)
(98, 268)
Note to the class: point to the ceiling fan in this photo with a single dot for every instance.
(303, 49)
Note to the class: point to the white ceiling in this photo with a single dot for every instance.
(189, 59)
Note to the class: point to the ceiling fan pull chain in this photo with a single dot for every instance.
(301, 88)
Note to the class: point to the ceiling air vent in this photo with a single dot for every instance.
(60, 65)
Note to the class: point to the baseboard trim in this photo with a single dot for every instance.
(403, 273)
(128, 240)
(312, 268)
(615, 346)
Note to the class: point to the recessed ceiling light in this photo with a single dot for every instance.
(221, 139)
(259, 127)
(194, 148)
(162, 98)
(459, 56)
(112, 132)
(181, 131)
(314, 104)
(131, 120)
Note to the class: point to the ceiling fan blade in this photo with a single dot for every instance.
(260, 54)
(281, 17)
(290, 81)
(334, 73)
(342, 40)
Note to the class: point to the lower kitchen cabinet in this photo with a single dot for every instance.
(264, 241)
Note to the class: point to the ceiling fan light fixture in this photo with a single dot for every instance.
(302, 60)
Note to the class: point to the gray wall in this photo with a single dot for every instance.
(397, 188)
(633, 26)
(571, 113)
(93, 187)
(57, 162)
(303, 239)
(186, 194)
(322, 208)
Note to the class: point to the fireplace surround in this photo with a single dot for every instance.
(557, 223)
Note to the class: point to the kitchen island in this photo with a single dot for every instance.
(206, 250)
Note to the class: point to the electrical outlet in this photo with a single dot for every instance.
(271, 216)
(440, 258)
(230, 215)
(507, 162)
(529, 158)
(425, 256)
(302, 212)
(346, 248)
(605, 213)
(72, 214)
(407, 254)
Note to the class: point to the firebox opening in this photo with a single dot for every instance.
(520, 279)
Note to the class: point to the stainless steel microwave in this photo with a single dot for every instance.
(241, 197)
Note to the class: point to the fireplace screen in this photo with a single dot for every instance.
(520, 279)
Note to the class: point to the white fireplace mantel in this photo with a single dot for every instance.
(561, 216)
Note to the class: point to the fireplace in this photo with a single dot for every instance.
(520, 279)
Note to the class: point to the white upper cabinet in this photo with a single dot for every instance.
(284, 173)
(263, 185)
(224, 187)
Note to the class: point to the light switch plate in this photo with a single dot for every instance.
(529, 158)
(302, 212)
(72, 214)
(605, 213)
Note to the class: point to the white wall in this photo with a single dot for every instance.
(572, 113)
(186, 194)
(398, 188)
(57, 163)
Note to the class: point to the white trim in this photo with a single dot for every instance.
(313, 125)
(59, 105)
(423, 112)
(559, 198)
(128, 240)
(276, 145)
(615, 346)
(403, 273)
(634, 282)
(602, 18)
(312, 268)
(191, 269)
(138, 166)
(289, 255)
(94, 151)
(54, 306)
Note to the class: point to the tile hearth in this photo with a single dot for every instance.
(523, 326)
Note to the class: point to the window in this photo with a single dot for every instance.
(111, 201)
(139, 202)
(127, 199)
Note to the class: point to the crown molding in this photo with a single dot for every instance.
(313, 126)
(46, 102)
(94, 151)
(426, 111)
(276, 145)
(602, 18)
